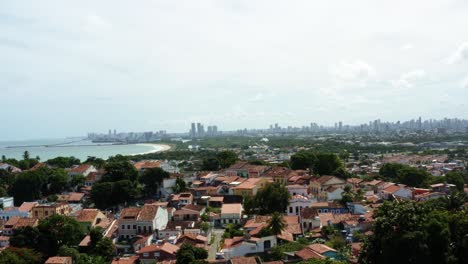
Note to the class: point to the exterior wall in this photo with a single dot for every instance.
(249, 247)
(7, 202)
(335, 195)
(295, 206)
(309, 224)
(6, 215)
(162, 217)
(42, 212)
(301, 191)
(127, 228)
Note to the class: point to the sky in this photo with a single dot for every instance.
(72, 67)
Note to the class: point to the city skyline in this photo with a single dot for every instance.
(71, 67)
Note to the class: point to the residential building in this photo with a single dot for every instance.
(42, 211)
(231, 213)
(189, 212)
(142, 220)
(157, 253)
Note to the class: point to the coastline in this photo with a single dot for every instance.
(156, 148)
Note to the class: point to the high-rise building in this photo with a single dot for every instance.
(193, 131)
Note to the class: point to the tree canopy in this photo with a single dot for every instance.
(152, 179)
(410, 232)
(188, 254)
(273, 197)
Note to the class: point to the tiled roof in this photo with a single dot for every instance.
(58, 260)
(193, 207)
(130, 213)
(231, 209)
(320, 248)
(307, 253)
(146, 164)
(87, 215)
(80, 168)
(244, 260)
(148, 212)
(309, 213)
(166, 247)
(27, 206)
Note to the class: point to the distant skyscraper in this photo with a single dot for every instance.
(193, 131)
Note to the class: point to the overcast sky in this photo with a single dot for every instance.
(70, 67)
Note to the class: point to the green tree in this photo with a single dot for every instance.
(58, 230)
(25, 237)
(226, 158)
(188, 254)
(303, 160)
(120, 170)
(63, 162)
(210, 164)
(97, 162)
(390, 170)
(347, 196)
(101, 194)
(273, 197)
(276, 223)
(413, 177)
(433, 232)
(58, 181)
(26, 155)
(456, 177)
(95, 236)
(14, 255)
(327, 163)
(152, 179)
(27, 186)
(180, 185)
(105, 248)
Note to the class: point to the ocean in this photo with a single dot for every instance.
(77, 147)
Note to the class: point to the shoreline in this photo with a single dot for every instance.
(156, 148)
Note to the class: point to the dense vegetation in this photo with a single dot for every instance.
(409, 232)
(57, 235)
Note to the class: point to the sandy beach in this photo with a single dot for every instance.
(156, 148)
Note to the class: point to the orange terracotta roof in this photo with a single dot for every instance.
(148, 212)
(166, 247)
(58, 260)
(231, 209)
(307, 253)
(147, 164)
(87, 215)
(244, 260)
(320, 248)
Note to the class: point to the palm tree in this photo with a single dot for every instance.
(276, 223)
(26, 155)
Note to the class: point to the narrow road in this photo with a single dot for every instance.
(218, 233)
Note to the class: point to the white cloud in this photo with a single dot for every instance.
(353, 70)
(459, 55)
(95, 23)
(407, 80)
(407, 47)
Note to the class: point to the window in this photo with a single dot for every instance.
(134, 226)
(123, 226)
(157, 254)
(46, 213)
(146, 255)
(290, 209)
(128, 226)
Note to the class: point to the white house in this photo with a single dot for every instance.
(83, 169)
(334, 193)
(297, 189)
(297, 202)
(239, 246)
(231, 213)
